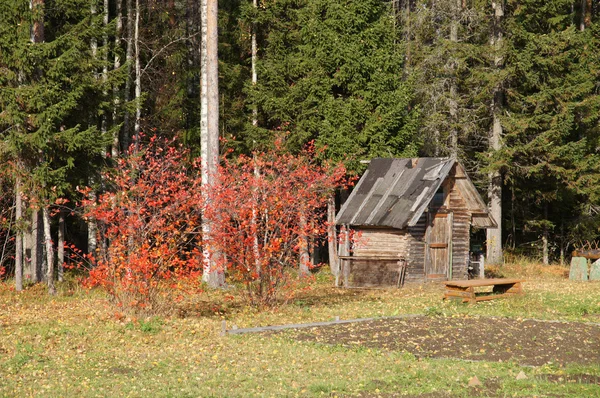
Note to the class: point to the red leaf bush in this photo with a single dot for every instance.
(261, 211)
(149, 233)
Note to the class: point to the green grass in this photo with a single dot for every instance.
(78, 345)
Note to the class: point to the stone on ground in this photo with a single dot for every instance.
(579, 269)
(521, 376)
(474, 382)
(595, 271)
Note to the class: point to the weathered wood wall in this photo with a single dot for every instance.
(415, 269)
(381, 242)
(460, 229)
(377, 242)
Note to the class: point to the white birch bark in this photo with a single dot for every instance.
(35, 247)
(105, 10)
(453, 101)
(209, 124)
(254, 60)
(116, 143)
(138, 76)
(304, 252)
(18, 237)
(61, 245)
(332, 237)
(128, 82)
(494, 235)
(49, 251)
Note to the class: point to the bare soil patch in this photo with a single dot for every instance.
(527, 342)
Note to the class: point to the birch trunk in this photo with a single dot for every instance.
(49, 251)
(494, 235)
(61, 245)
(37, 36)
(18, 237)
(453, 105)
(138, 77)
(331, 237)
(36, 248)
(209, 124)
(105, 10)
(92, 229)
(115, 149)
(128, 82)
(545, 250)
(93, 41)
(254, 60)
(304, 253)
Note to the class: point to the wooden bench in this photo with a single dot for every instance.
(465, 289)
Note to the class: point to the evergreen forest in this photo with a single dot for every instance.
(510, 88)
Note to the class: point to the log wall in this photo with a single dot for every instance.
(377, 242)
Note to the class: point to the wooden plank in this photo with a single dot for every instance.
(438, 245)
(493, 296)
(371, 258)
(483, 282)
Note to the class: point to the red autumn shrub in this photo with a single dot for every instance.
(149, 222)
(261, 211)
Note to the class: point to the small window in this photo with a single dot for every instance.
(438, 198)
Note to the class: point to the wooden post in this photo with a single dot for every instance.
(482, 266)
(346, 268)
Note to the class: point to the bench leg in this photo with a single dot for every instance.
(466, 294)
(514, 288)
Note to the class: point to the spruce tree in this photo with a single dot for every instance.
(333, 73)
(49, 98)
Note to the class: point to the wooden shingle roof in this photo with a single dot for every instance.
(395, 193)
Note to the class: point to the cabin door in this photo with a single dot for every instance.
(439, 246)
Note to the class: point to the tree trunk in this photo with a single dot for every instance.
(93, 41)
(545, 251)
(92, 229)
(37, 32)
(115, 149)
(585, 19)
(128, 82)
(453, 105)
(494, 235)
(304, 253)
(254, 60)
(209, 124)
(18, 237)
(105, 10)
(138, 78)
(332, 237)
(61, 245)
(36, 248)
(193, 53)
(49, 251)
(545, 255)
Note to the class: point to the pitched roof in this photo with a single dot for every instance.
(395, 193)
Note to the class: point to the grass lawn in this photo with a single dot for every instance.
(75, 344)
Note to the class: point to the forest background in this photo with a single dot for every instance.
(510, 88)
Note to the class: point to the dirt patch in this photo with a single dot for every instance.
(527, 342)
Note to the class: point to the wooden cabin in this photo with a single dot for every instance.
(411, 220)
